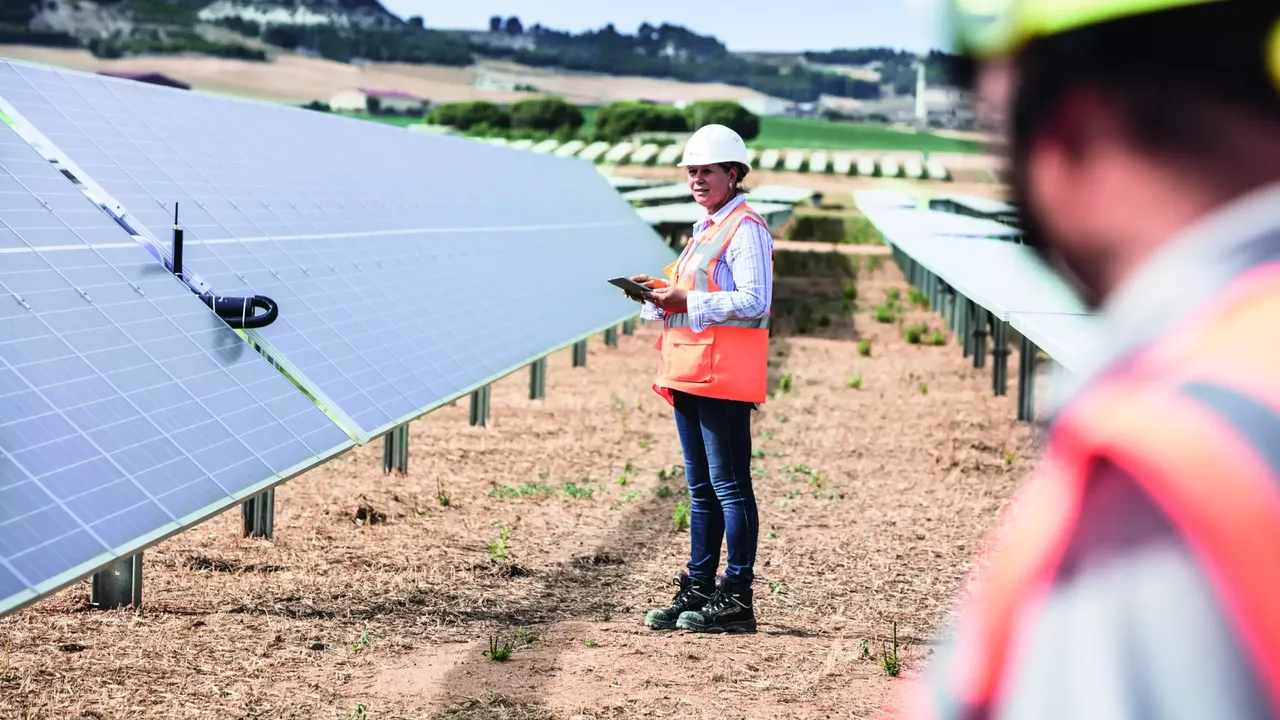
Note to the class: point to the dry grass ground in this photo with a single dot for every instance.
(872, 502)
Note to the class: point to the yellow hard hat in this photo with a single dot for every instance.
(991, 29)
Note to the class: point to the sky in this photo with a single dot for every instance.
(743, 25)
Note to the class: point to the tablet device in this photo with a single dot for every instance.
(630, 285)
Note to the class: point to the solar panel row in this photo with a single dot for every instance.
(130, 409)
(408, 268)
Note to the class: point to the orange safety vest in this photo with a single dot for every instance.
(1195, 421)
(728, 359)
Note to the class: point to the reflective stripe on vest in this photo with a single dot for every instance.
(1195, 423)
(728, 359)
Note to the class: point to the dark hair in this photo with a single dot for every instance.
(738, 187)
(1176, 79)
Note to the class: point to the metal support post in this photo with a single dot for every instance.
(979, 321)
(538, 379)
(964, 319)
(480, 407)
(628, 327)
(258, 514)
(118, 584)
(580, 353)
(611, 337)
(1027, 380)
(935, 297)
(999, 355)
(395, 450)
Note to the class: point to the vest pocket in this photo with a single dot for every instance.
(687, 358)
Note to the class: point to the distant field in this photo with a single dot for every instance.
(803, 134)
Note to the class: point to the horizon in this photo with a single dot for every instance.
(913, 25)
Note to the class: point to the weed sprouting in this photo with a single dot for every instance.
(498, 548)
(883, 313)
(529, 489)
(578, 492)
(499, 650)
(889, 658)
(526, 638)
(864, 348)
(365, 641)
(913, 333)
(894, 295)
(766, 436)
(850, 290)
(784, 384)
(777, 588)
(359, 712)
(854, 382)
(771, 535)
(918, 298)
(1009, 458)
(924, 389)
(442, 497)
(662, 492)
(645, 441)
(592, 643)
(874, 263)
(937, 338)
(866, 649)
(680, 516)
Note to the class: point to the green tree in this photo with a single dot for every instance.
(617, 121)
(465, 115)
(724, 112)
(548, 114)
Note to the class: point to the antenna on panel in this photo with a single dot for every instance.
(236, 312)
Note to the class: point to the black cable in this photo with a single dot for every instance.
(238, 312)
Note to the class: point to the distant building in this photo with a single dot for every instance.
(150, 78)
(389, 101)
(766, 106)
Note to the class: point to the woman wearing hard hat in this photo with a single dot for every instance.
(714, 306)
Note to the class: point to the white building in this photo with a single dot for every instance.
(766, 106)
(360, 100)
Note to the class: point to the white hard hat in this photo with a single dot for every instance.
(713, 144)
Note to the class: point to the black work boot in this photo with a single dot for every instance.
(729, 610)
(693, 595)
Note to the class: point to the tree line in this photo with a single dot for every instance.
(554, 117)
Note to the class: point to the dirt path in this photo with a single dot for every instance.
(872, 501)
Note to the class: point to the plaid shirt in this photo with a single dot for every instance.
(745, 276)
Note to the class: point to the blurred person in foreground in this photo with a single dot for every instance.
(1137, 573)
(714, 306)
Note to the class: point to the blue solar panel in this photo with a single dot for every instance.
(129, 408)
(408, 268)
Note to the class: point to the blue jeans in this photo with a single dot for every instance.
(715, 436)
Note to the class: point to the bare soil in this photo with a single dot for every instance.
(872, 502)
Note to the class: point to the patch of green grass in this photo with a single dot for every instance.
(805, 133)
(592, 643)
(680, 516)
(785, 383)
(913, 333)
(924, 389)
(894, 295)
(498, 548)
(889, 658)
(850, 290)
(883, 313)
(916, 297)
(864, 348)
(645, 441)
(529, 489)
(662, 492)
(937, 338)
(874, 263)
(854, 382)
(577, 491)
(499, 650)
(525, 638)
(365, 641)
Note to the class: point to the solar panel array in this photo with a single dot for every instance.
(408, 267)
(129, 409)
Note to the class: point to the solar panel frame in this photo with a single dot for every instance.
(277, 266)
(117, 388)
